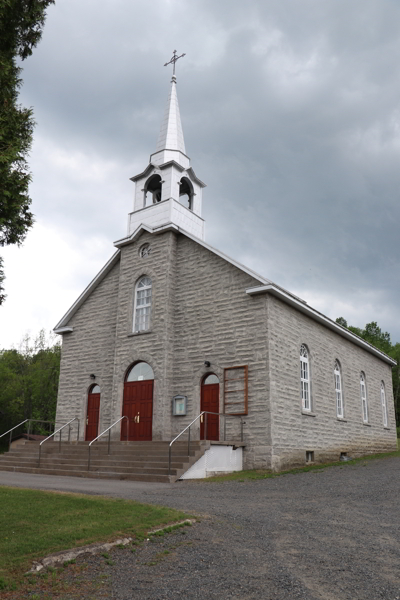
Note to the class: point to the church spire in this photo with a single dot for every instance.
(171, 134)
(168, 194)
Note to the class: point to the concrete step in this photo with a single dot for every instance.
(82, 462)
(93, 474)
(136, 461)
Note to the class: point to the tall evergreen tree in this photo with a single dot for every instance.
(21, 24)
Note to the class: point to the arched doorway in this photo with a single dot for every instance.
(93, 411)
(210, 403)
(138, 403)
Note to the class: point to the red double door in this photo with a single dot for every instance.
(210, 403)
(138, 407)
(92, 420)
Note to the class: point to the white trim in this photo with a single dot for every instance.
(62, 330)
(337, 372)
(364, 397)
(384, 405)
(137, 308)
(305, 379)
(320, 318)
(87, 291)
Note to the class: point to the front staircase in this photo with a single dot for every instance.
(134, 461)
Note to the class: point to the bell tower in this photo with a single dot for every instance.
(167, 192)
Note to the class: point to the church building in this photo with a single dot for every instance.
(172, 327)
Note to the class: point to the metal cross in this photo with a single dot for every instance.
(173, 61)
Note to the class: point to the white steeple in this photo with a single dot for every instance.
(168, 193)
(171, 134)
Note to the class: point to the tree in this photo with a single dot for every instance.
(373, 334)
(21, 23)
(29, 381)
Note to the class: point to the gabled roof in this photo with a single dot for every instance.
(61, 326)
(266, 286)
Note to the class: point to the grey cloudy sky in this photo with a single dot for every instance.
(291, 115)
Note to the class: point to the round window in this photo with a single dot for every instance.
(144, 250)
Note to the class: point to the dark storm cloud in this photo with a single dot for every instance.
(290, 113)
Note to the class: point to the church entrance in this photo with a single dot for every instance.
(138, 403)
(93, 410)
(210, 403)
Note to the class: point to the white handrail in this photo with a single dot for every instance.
(204, 412)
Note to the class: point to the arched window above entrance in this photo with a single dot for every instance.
(143, 304)
(210, 379)
(95, 389)
(140, 372)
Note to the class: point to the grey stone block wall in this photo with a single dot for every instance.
(295, 432)
(89, 349)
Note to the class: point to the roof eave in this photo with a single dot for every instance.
(320, 318)
(86, 293)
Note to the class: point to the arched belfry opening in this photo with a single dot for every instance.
(186, 193)
(152, 190)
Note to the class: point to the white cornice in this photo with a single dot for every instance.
(61, 330)
(320, 318)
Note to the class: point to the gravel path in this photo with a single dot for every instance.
(331, 535)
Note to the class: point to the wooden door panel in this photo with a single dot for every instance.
(138, 407)
(210, 402)
(92, 422)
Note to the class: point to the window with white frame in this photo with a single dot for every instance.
(143, 304)
(384, 408)
(364, 401)
(338, 390)
(305, 378)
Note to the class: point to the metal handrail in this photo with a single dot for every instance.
(59, 431)
(204, 412)
(109, 437)
(19, 424)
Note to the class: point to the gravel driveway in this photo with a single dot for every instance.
(331, 534)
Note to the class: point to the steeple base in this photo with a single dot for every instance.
(164, 213)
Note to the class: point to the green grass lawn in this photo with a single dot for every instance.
(264, 474)
(34, 524)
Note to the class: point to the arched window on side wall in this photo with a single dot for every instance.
(384, 407)
(364, 400)
(142, 304)
(305, 378)
(338, 389)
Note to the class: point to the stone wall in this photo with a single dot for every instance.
(89, 349)
(321, 431)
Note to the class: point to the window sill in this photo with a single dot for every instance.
(388, 428)
(341, 419)
(136, 333)
(367, 424)
(308, 413)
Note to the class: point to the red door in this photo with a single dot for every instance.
(210, 402)
(92, 421)
(138, 407)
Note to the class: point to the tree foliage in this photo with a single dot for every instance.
(373, 334)
(21, 24)
(29, 381)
